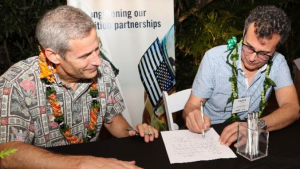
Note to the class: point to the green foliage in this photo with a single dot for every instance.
(233, 118)
(59, 119)
(94, 93)
(96, 104)
(200, 28)
(210, 28)
(63, 128)
(7, 152)
(91, 132)
(200, 25)
(18, 22)
(291, 48)
(50, 90)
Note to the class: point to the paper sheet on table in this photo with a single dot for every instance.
(184, 146)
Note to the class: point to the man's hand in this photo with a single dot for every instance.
(192, 115)
(194, 122)
(146, 131)
(229, 134)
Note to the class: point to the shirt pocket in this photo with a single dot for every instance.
(219, 99)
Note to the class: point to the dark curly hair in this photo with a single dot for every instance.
(269, 20)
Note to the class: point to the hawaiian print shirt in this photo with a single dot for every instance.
(26, 114)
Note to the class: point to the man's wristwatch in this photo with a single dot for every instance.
(262, 124)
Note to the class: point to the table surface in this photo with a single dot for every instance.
(283, 153)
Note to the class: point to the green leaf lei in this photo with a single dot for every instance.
(234, 56)
(47, 72)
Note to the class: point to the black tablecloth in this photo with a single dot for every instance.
(284, 152)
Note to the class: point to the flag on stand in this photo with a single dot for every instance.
(155, 73)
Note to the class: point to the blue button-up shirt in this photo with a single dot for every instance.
(212, 83)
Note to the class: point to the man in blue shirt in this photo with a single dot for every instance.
(256, 64)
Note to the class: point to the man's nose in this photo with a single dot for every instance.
(252, 57)
(96, 60)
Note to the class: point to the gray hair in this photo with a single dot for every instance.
(58, 26)
(269, 20)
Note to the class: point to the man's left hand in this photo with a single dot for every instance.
(146, 131)
(229, 134)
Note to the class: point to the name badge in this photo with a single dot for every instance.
(241, 105)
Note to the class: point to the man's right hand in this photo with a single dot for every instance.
(193, 121)
(192, 115)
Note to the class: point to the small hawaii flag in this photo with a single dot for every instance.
(155, 72)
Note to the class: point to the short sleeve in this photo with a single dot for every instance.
(114, 103)
(204, 80)
(281, 74)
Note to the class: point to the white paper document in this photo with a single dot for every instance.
(184, 146)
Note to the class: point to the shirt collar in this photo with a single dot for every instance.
(59, 82)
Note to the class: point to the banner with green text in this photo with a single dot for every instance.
(138, 38)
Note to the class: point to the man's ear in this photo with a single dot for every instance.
(52, 56)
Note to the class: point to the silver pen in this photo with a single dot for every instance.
(202, 116)
(132, 129)
(137, 132)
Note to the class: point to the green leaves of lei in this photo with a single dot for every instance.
(234, 56)
(95, 104)
(63, 127)
(267, 84)
(7, 152)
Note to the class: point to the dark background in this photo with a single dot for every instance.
(199, 26)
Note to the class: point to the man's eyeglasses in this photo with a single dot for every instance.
(261, 55)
